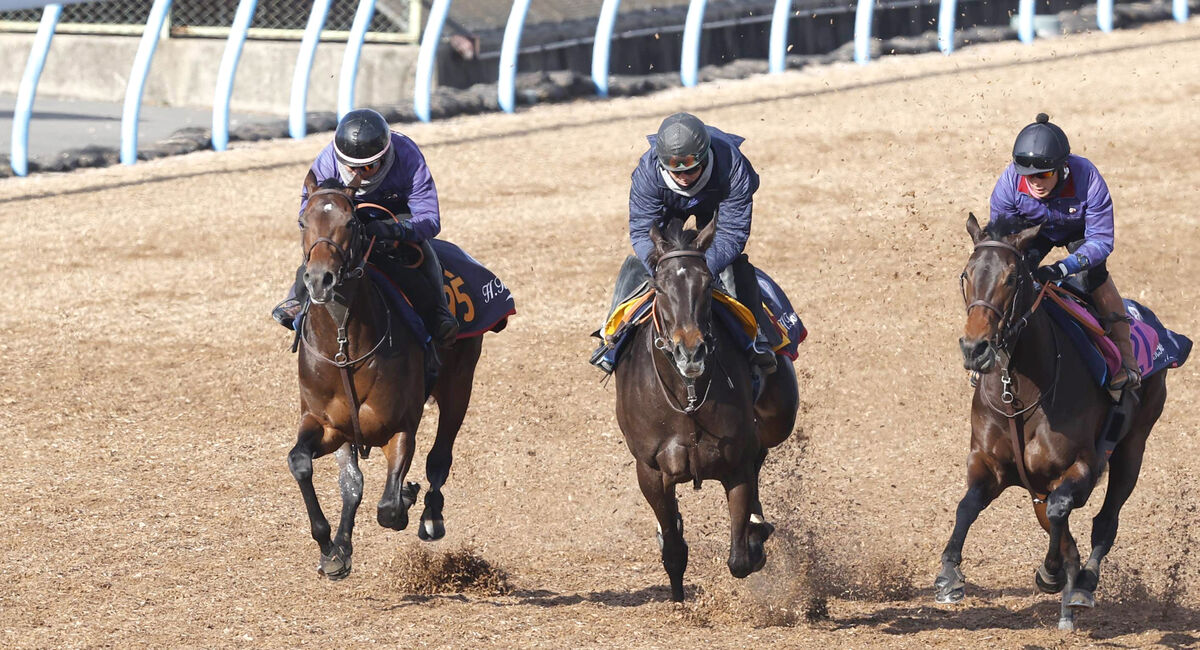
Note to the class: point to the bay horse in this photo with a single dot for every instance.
(686, 406)
(1036, 420)
(362, 382)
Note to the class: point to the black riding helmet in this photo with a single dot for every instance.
(362, 138)
(682, 142)
(1040, 147)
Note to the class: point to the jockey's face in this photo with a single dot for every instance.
(688, 177)
(1040, 185)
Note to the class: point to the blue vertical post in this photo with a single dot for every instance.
(1026, 13)
(298, 107)
(947, 15)
(1104, 15)
(864, 16)
(137, 79)
(354, 43)
(602, 44)
(1179, 8)
(23, 109)
(427, 57)
(228, 71)
(507, 86)
(777, 58)
(693, 28)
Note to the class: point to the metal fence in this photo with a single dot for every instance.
(394, 21)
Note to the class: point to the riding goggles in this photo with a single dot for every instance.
(1042, 175)
(682, 163)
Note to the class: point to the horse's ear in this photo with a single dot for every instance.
(660, 246)
(706, 236)
(310, 183)
(973, 228)
(1021, 240)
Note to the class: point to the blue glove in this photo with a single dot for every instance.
(390, 230)
(1050, 273)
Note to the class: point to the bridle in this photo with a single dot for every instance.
(1009, 327)
(348, 254)
(663, 344)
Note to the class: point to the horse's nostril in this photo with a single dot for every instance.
(328, 279)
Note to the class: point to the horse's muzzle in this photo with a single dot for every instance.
(690, 362)
(978, 354)
(320, 284)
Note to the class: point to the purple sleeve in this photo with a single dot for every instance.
(422, 193)
(1004, 197)
(1098, 221)
(733, 216)
(645, 208)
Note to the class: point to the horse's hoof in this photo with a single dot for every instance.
(1049, 584)
(950, 596)
(1066, 625)
(395, 518)
(431, 529)
(335, 567)
(1081, 599)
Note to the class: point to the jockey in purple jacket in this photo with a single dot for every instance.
(1045, 184)
(694, 169)
(393, 174)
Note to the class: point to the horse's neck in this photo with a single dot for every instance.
(1035, 352)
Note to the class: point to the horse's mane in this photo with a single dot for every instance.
(998, 230)
(332, 183)
(678, 237)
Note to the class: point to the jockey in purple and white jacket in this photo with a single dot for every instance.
(391, 172)
(1047, 185)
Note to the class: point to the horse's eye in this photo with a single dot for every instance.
(303, 225)
(1011, 280)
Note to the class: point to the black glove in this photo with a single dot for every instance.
(1050, 273)
(390, 230)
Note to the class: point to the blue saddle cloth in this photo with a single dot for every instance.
(1170, 351)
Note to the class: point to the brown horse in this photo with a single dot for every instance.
(1037, 419)
(362, 383)
(686, 407)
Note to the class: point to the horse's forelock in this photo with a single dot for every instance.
(1001, 230)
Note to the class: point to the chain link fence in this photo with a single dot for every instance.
(394, 21)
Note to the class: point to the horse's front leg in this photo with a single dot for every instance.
(983, 487)
(350, 480)
(744, 557)
(1061, 566)
(661, 498)
(300, 463)
(398, 496)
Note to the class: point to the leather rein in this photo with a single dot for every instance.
(1007, 333)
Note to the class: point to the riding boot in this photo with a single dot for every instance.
(285, 313)
(747, 292)
(1112, 311)
(435, 312)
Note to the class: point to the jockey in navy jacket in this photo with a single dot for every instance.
(727, 187)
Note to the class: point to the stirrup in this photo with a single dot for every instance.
(285, 312)
(1133, 379)
(764, 359)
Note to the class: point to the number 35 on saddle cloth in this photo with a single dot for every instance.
(478, 298)
(731, 314)
(1155, 346)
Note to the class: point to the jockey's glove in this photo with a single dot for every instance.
(1050, 273)
(390, 230)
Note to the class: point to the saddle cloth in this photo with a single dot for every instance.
(1155, 346)
(735, 317)
(478, 298)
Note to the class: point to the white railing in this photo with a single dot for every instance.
(427, 58)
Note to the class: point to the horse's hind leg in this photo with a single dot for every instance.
(775, 411)
(398, 496)
(300, 463)
(453, 395)
(661, 498)
(1124, 467)
(982, 488)
(760, 528)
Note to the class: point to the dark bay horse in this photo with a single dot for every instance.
(686, 408)
(1036, 420)
(362, 383)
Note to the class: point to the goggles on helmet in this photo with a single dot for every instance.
(682, 163)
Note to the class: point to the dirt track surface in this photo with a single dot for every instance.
(149, 401)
